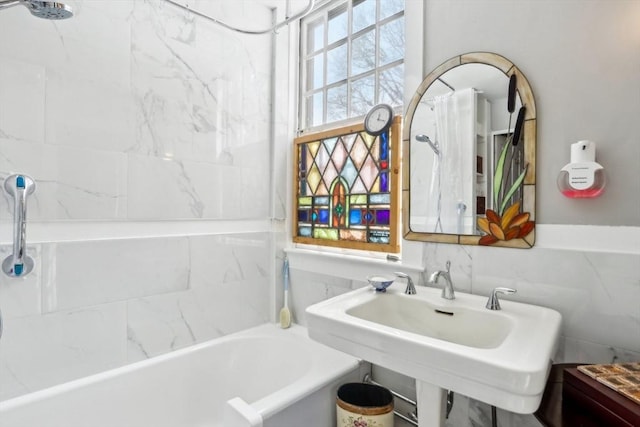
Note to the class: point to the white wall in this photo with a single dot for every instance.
(581, 59)
(146, 130)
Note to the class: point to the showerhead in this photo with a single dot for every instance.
(41, 9)
(434, 145)
(49, 9)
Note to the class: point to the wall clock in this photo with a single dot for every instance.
(378, 119)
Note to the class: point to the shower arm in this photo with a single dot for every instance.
(277, 26)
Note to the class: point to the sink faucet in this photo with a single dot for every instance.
(410, 289)
(447, 291)
(494, 303)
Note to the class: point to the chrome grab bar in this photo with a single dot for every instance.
(19, 263)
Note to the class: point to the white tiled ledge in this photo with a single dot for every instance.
(71, 231)
(589, 238)
(552, 236)
(345, 265)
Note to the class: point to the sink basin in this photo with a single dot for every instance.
(498, 357)
(471, 327)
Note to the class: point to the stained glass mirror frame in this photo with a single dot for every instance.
(349, 197)
(529, 139)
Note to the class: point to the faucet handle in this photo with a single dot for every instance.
(494, 303)
(410, 289)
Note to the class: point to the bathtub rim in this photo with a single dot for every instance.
(266, 406)
(313, 380)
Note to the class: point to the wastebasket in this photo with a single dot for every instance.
(364, 405)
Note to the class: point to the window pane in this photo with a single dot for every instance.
(337, 24)
(390, 7)
(363, 53)
(315, 36)
(337, 103)
(352, 44)
(364, 14)
(315, 68)
(344, 181)
(337, 64)
(391, 84)
(392, 41)
(362, 95)
(314, 109)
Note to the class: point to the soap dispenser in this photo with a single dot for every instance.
(583, 177)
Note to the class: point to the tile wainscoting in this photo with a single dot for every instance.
(596, 291)
(89, 306)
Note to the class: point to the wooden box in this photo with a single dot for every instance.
(594, 404)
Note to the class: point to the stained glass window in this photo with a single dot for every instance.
(346, 188)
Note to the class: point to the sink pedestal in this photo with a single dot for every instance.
(432, 404)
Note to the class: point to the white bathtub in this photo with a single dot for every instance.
(264, 376)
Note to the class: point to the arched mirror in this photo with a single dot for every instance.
(469, 155)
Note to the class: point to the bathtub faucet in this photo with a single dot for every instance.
(447, 290)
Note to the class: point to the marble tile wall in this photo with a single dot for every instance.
(135, 111)
(91, 306)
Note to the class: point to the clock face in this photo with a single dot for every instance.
(378, 119)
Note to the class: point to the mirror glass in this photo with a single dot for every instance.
(466, 179)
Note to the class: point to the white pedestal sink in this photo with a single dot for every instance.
(498, 357)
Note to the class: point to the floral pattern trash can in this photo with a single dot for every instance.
(364, 405)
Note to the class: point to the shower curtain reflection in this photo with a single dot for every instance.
(450, 192)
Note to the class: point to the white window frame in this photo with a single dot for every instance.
(322, 12)
(346, 263)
